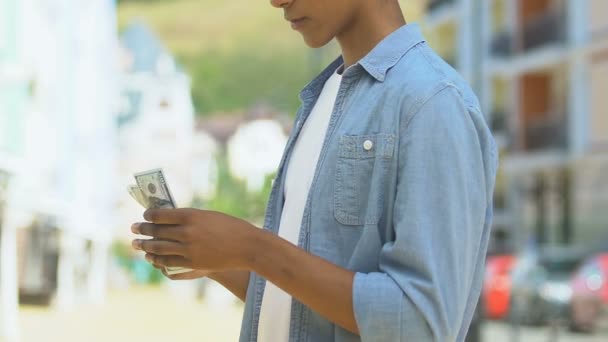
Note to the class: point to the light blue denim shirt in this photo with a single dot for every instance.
(402, 195)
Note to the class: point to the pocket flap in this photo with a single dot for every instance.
(366, 146)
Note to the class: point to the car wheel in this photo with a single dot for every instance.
(516, 314)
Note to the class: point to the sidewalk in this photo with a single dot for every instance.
(140, 314)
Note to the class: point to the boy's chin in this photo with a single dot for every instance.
(316, 42)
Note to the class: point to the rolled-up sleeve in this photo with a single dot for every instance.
(423, 289)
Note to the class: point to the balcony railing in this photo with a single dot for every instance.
(498, 121)
(546, 134)
(502, 44)
(435, 4)
(546, 28)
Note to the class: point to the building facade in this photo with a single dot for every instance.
(540, 69)
(13, 100)
(58, 148)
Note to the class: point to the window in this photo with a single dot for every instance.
(164, 104)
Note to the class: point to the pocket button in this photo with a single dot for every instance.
(368, 145)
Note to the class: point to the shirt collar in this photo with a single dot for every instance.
(390, 50)
(377, 62)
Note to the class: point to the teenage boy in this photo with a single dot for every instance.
(378, 221)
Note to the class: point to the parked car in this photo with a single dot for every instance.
(541, 286)
(496, 292)
(590, 293)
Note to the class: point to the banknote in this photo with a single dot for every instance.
(155, 193)
(137, 195)
(155, 190)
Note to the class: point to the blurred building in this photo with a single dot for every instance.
(541, 70)
(453, 37)
(13, 100)
(58, 151)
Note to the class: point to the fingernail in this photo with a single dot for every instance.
(135, 228)
(147, 215)
(149, 258)
(136, 244)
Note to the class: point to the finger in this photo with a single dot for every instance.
(159, 267)
(167, 216)
(181, 276)
(159, 247)
(168, 260)
(164, 232)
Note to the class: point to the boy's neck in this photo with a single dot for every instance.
(367, 30)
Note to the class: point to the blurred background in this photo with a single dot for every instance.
(94, 91)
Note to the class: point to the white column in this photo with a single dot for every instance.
(94, 129)
(513, 19)
(67, 145)
(9, 292)
(514, 116)
(578, 105)
(17, 214)
(577, 22)
(487, 91)
(578, 93)
(96, 282)
(66, 286)
(465, 39)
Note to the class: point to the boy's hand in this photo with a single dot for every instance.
(196, 239)
(195, 274)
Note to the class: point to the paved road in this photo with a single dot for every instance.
(500, 332)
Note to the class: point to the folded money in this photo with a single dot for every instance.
(137, 195)
(152, 191)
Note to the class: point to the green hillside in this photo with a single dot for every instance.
(238, 53)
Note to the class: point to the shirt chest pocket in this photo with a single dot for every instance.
(361, 170)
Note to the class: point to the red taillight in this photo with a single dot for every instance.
(502, 283)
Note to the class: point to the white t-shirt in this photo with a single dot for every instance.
(275, 312)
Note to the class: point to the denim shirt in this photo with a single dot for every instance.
(402, 196)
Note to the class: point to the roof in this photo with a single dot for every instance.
(145, 48)
(146, 53)
(223, 125)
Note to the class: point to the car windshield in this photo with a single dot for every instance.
(561, 267)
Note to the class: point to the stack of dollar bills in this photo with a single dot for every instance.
(152, 191)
